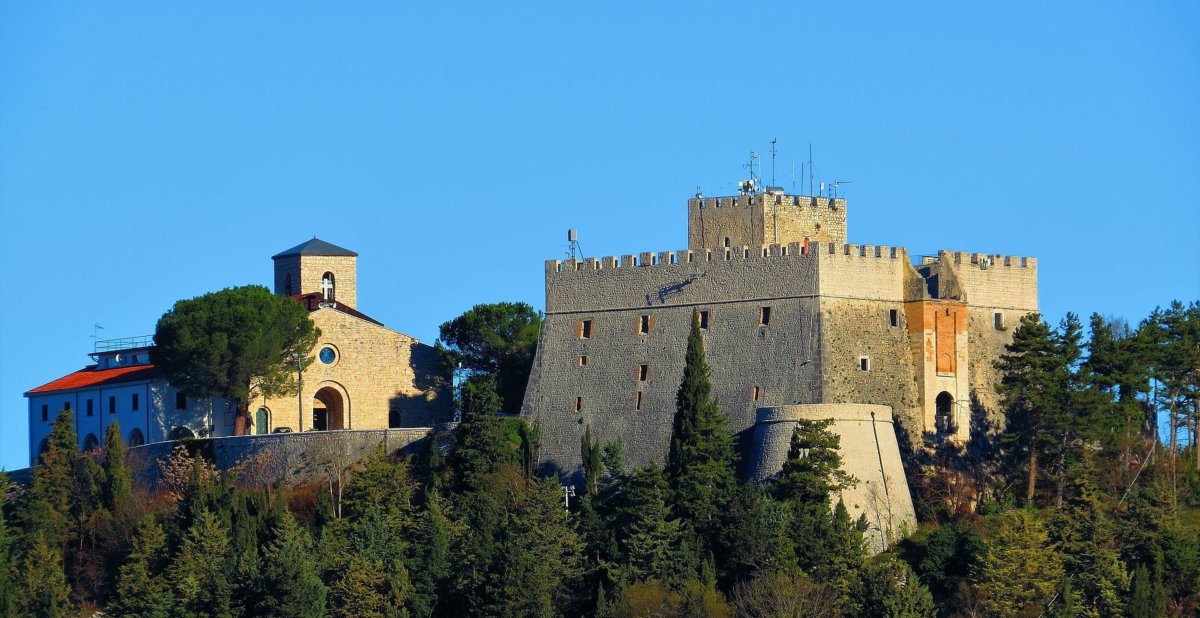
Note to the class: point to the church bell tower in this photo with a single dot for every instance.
(317, 267)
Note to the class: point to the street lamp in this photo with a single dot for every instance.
(299, 391)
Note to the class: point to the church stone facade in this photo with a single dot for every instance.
(797, 323)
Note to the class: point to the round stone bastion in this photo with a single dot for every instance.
(869, 452)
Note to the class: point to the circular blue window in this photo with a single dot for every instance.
(327, 355)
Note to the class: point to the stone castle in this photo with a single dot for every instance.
(797, 324)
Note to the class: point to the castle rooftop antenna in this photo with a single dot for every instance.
(573, 252)
(773, 139)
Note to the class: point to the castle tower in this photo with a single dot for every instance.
(765, 219)
(317, 266)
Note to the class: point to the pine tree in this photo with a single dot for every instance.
(8, 583)
(1030, 392)
(651, 537)
(480, 444)
(813, 470)
(888, 588)
(44, 592)
(290, 575)
(1020, 570)
(142, 588)
(1085, 535)
(199, 575)
(701, 461)
(757, 537)
(46, 510)
(361, 592)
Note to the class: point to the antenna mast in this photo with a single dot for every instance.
(773, 161)
(573, 252)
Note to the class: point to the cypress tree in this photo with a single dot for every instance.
(593, 464)
(142, 588)
(701, 462)
(46, 510)
(1141, 599)
(44, 592)
(291, 578)
(118, 483)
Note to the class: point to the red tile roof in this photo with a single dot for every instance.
(312, 301)
(91, 376)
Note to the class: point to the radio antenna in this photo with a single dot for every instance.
(773, 161)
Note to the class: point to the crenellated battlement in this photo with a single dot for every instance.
(731, 254)
(987, 260)
(768, 199)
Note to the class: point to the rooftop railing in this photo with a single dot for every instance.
(124, 343)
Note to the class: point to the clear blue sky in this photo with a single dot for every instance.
(152, 151)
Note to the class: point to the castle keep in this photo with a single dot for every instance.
(797, 324)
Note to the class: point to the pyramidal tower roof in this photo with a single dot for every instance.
(316, 246)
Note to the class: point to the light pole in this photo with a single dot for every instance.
(299, 391)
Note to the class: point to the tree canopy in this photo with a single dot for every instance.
(497, 341)
(234, 343)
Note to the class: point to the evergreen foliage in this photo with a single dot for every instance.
(44, 592)
(701, 462)
(1021, 570)
(142, 588)
(290, 574)
(495, 341)
(199, 574)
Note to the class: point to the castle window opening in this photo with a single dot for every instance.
(754, 393)
(638, 402)
(764, 316)
(998, 320)
(180, 401)
(726, 242)
(134, 402)
(89, 407)
(112, 405)
(644, 325)
(583, 361)
(745, 254)
(327, 286)
(864, 363)
(643, 372)
(703, 320)
(45, 412)
(67, 406)
(944, 414)
(894, 318)
(578, 404)
(583, 329)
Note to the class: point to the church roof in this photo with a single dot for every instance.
(91, 376)
(312, 301)
(316, 246)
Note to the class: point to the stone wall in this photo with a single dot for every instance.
(749, 220)
(289, 458)
(869, 453)
(376, 370)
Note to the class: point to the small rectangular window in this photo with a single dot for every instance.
(894, 318)
(45, 412)
(864, 363)
(584, 329)
(638, 403)
(583, 361)
(703, 320)
(135, 402)
(180, 401)
(90, 411)
(67, 405)
(644, 325)
(998, 320)
(764, 316)
(643, 372)
(578, 404)
(754, 393)
(112, 405)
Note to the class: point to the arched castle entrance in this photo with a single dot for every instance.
(329, 409)
(945, 413)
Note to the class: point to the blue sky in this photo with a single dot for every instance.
(156, 151)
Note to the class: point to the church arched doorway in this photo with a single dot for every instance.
(944, 417)
(91, 443)
(136, 438)
(181, 433)
(329, 410)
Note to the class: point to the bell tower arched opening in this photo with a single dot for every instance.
(944, 414)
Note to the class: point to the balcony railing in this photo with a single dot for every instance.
(124, 343)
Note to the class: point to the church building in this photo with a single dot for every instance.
(362, 375)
